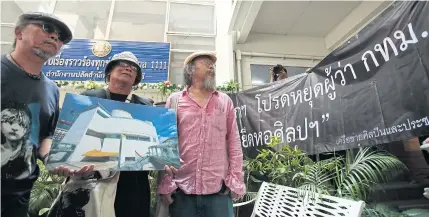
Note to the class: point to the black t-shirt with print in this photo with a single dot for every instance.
(29, 113)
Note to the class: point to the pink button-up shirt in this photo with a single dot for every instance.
(209, 147)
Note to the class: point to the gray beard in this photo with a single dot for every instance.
(210, 83)
(42, 54)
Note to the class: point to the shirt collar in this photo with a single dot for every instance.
(185, 91)
(129, 97)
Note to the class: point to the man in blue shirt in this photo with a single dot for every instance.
(29, 107)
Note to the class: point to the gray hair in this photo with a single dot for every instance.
(42, 54)
(19, 25)
(188, 71)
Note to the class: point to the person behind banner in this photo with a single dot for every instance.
(277, 73)
(30, 107)
(90, 194)
(211, 171)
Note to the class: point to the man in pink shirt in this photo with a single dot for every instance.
(211, 171)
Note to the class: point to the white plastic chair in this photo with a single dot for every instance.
(426, 193)
(249, 198)
(281, 201)
(425, 146)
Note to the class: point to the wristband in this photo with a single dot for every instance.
(44, 159)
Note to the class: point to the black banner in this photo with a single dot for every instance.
(373, 89)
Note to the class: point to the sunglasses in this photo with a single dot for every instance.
(49, 28)
(126, 64)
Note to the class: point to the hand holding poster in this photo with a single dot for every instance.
(373, 89)
(114, 135)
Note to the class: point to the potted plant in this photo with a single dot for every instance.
(341, 176)
(229, 87)
(279, 167)
(44, 192)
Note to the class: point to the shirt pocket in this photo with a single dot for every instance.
(219, 124)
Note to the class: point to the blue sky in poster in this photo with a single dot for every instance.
(163, 119)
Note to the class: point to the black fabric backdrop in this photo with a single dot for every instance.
(371, 90)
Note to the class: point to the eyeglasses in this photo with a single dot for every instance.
(126, 64)
(49, 28)
(208, 64)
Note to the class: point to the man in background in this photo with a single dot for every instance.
(30, 107)
(277, 73)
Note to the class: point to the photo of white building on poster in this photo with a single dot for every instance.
(114, 135)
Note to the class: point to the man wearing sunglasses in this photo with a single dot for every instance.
(132, 196)
(29, 97)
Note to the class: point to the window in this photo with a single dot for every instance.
(139, 138)
(102, 114)
(185, 43)
(11, 10)
(138, 21)
(57, 157)
(96, 134)
(113, 136)
(185, 17)
(130, 158)
(86, 19)
(59, 134)
(145, 138)
(261, 73)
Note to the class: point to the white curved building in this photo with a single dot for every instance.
(96, 133)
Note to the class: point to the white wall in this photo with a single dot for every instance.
(130, 147)
(309, 51)
(122, 126)
(79, 127)
(87, 143)
(278, 44)
(290, 51)
(224, 43)
(354, 22)
(77, 136)
(298, 50)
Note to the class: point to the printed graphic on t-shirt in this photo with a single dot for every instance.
(19, 136)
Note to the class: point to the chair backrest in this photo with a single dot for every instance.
(281, 201)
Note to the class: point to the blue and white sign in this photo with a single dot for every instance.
(82, 60)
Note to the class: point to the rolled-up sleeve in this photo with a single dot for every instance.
(235, 177)
(167, 185)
